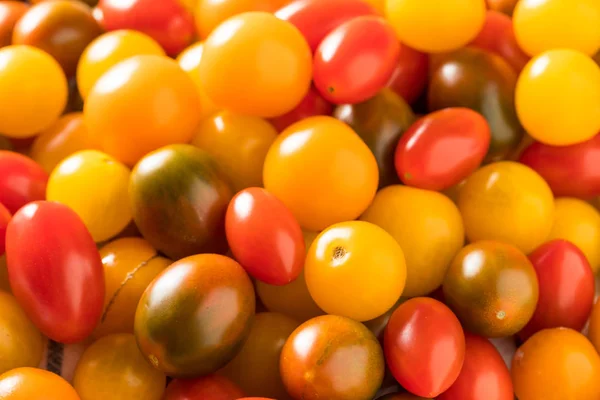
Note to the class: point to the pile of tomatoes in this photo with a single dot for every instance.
(299, 199)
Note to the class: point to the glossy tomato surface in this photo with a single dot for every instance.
(442, 149)
(21, 181)
(10, 13)
(35, 384)
(209, 387)
(409, 79)
(313, 104)
(5, 217)
(424, 346)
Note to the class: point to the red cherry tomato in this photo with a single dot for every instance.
(210, 387)
(4, 220)
(410, 76)
(442, 149)
(424, 346)
(316, 18)
(265, 237)
(55, 271)
(22, 181)
(483, 375)
(566, 283)
(312, 105)
(166, 21)
(356, 60)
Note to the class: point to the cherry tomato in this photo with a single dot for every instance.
(410, 76)
(594, 326)
(481, 288)
(316, 18)
(428, 227)
(321, 157)
(556, 364)
(566, 283)
(332, 357)
(35, 384)
(401, 396)
(415, 20)
(21, 181)
(557, 97)
(25, 110)
(313, 104)
(442, 149)
(5, 217)
(126, 116)
(377, 325)
(10, 13)
(509, 202)
(166, 21)
(336, 275)
(210, 387)
(424, 346)
(483, 375)
(45, 243)
(366, 44)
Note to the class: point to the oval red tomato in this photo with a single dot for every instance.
(21, 180)
(483, 375)
(55, 270)
(312, 105)
(566, 283)
(409, 79)
(356, 60)
(569, 170)
(442, 149)
(316, 18)
(5, 217)
(424, 346)
(264, 237)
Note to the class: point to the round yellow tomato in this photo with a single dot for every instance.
(33, 91)
(35, 384)
(542, 25)
(558, 97)
(293, 299)
(256, 64)
(108, 50)
(428, 227)
(130, 264)
(508, 202)
(21, 344)
(579, 223)
(356, 270)
(435, 26)
(141, 104)
(322, 171)
(95, 186)
(556, 364)
(114, 368)
(239, 144)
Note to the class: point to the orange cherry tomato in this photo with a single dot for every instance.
(35, 384)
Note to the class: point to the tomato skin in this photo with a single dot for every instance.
(442, 149)
(410, 76)
(35, 384)
(367, 44)
(265, 237)
(316, 18)
(5, 217)
(10, 13)
(45, 243)
(210, 387)
(424, 346)
(312, 105)
(483, 375)
(21, 181)
(566, 287)
(569, 170)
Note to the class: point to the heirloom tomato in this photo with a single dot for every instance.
(442, 149)
(313, 104)
(492, 287)
(10, 13)
(424, 346)
(53, 264)
(332, 357)
(179, 197)
(209, 387)
(195, 316)
(5, 217)
(410, 76)
(35, 384)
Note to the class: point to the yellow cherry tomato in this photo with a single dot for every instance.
(239, 144)
(542, 25)
(141, 104)
(130, 264)
(428, 227)
(21, 344)
(293, 299)
(35, 384)
(579, 223)
(95, 186)
(558, 97)
(114, 368)
(322, 171)
(436, 26)
(355, 269)
(33, 91)
(256, 64)
(189, 61)
(556, 364)
(508, 202)
(108, 50)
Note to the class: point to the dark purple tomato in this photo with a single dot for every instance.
(55, 270)
(5, 217)
(10, 12)
(409, 79)
(179, 197)
(22, 180)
